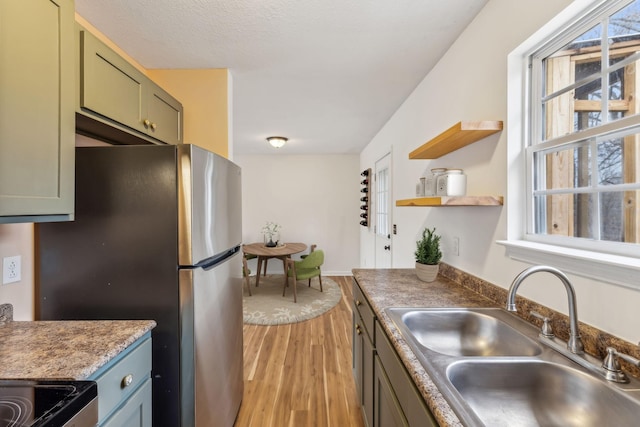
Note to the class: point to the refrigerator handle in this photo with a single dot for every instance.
(211, 262)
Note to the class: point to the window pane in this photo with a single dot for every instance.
(588, 105)
(624, 28)
(382, 202)
(612, 214)
(610, 162)
(564, 215)
(559, 66)
(563, 168)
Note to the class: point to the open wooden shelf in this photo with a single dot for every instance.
(457, 136)
(453, 201)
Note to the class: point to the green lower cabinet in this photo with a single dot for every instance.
(124, 388)
(413, 406)
(388, 412)
(136, 412)
(387, 394)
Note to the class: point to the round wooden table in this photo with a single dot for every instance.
(281, 252)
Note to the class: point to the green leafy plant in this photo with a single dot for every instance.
(428, 248)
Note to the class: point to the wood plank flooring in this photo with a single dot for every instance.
(300, 374)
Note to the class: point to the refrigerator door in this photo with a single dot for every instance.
(209, 211)
(211, 342)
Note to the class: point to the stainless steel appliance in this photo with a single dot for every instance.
(157, 235)
(25, 403)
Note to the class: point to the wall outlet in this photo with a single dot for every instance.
(11, 269)
(456, 246)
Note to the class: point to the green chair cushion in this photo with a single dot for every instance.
(309, 266)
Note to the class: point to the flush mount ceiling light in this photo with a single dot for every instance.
(277, 141)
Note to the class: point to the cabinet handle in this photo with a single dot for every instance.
(146, 123)
(127, 381)
(153, 126)
(358, 330)
(358, 302)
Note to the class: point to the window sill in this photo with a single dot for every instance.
(616, 269)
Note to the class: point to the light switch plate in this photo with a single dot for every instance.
(11, 269)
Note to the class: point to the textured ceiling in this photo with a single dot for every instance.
(327, 74)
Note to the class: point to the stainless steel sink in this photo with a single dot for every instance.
(495, 369)
(538, 393)
(460, 332)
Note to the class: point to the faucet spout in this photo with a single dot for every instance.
(575, 342)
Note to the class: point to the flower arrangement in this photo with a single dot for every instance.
(271, 233)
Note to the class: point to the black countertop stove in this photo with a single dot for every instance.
(25, 403)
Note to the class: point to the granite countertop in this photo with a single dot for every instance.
(401, 288)
(64, 349)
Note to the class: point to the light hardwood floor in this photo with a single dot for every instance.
(300, 374)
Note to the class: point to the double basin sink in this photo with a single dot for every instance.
(495, 370)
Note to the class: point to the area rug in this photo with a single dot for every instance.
(267, 306)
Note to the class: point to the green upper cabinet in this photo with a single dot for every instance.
(118, 98)
(37, 98)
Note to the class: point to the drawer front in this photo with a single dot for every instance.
(123, 378)
(364, 309)
(413, 406)
(137, 411)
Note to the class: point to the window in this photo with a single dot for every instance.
(573, 129)
(583, 145)
(382, 202)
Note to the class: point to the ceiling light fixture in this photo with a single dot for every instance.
(277, 141)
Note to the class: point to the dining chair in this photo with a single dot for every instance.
(307, 268)
(245, 271)
(251, 256)
(312, 248)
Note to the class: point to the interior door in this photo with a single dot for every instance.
(382, 213)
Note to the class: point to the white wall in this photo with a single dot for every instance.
(17, 239)
(314, 198)
(470, 83)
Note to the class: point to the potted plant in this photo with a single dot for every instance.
(428, 255)
(271, 232)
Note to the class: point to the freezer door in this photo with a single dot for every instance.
(210, 204)
(211, 344)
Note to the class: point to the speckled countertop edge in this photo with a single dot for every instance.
(401, 288)
(64, 349)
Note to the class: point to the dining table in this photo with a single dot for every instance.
(281, 251)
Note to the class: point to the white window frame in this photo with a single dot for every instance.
(521, 244)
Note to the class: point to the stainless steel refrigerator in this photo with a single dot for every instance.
(157, 235)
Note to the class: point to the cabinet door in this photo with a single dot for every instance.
(412, 404)
(363, 368)
(110, 86)
(120, 98)
(387, 412)
(136, 412)
(367, 380)
(357, 362)
(37, 123)
(164, 115)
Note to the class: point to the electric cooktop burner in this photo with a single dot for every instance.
(26, 403)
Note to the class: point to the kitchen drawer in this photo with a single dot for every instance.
(364, 309)
(413, 406)
(123, 378)
(137, 411)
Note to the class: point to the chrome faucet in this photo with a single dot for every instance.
(575, 342)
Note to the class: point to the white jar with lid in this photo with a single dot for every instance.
(431, 184)
(452, 183)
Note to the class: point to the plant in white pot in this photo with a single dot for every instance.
(428, 255)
